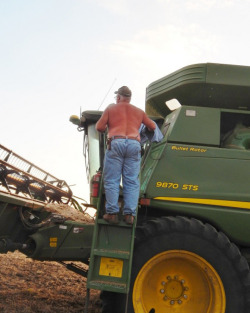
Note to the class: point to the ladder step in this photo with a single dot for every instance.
(108, 285)
(121, 223)
(120, 254)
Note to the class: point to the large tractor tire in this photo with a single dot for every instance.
(181, 265)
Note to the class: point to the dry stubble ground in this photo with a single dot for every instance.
(42, 287)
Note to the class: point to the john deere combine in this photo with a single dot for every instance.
(189, 250)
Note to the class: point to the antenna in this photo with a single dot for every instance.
(106, 94)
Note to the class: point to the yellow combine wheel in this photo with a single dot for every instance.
(178, 281)
(181, 265)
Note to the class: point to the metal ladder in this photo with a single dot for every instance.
(111, 254)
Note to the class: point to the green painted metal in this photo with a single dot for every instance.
(111, 254)
(196, 129)
(70, 241)
(201, 169)
(56, 241)
(10, 225)
(205, 84)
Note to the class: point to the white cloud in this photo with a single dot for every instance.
(168, 44)
(120, 7)
(209, 4)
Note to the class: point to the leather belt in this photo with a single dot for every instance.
(123, 137)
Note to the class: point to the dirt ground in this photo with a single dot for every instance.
(41, 287)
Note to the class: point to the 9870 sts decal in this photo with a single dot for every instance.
(170, 185)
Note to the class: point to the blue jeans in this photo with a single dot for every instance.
(122, 160)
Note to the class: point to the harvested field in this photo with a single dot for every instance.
(28, 286)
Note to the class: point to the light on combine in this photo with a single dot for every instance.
(75, 120)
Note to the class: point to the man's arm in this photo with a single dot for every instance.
(102, 122)
(148, 122)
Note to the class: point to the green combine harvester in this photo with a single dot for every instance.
(189, 251)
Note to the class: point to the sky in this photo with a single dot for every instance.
(62, 57)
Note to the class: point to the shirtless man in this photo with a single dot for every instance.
(122, 158)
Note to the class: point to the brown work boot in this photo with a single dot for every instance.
(129, 219)
(111, 218)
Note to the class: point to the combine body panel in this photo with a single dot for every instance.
(202, 85)
(28, 226)
(189, 250)
(195, 171)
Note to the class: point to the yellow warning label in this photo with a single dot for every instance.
(111, 267)
(53, 242)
